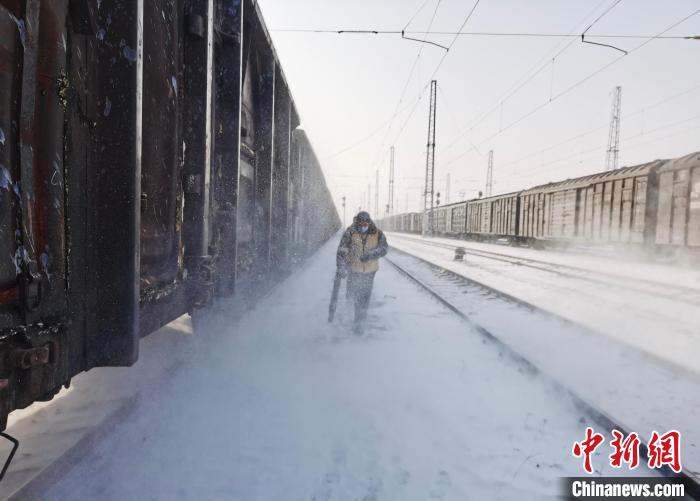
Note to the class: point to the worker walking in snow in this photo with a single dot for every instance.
(358, 255)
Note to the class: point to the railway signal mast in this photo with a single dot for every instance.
(447, 189)
(489, 176)
(614, 133)
(376, 195)
(429, 192)
(390, 201)
(344, 224)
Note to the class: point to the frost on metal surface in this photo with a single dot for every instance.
(5, 178)
(22, 28)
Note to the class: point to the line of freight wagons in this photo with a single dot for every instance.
(150, 161)
(654, 205)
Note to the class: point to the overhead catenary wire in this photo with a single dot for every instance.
(596, 129)
(476, 33)
(377, 156)
(572, 87)
(597, 148)
(583, 35)
(437, 68)
(539, 66)
(420, 9)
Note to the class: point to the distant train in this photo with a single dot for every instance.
(654, 205)
(150, 161)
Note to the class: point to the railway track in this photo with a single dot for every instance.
(650, 287)
(598, 415)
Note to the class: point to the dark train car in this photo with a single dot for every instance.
(493, 217)
(678, 204)
(146, 167)
(610, 207)
(312, 209)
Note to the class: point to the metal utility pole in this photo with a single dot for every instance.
(489, 176)
(390, 202)
(447, 189)
(429, 193)
(344, 212)
(614, 133)
(376, 195)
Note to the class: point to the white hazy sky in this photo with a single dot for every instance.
(347, 88)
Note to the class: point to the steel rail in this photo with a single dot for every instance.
(675, 292)
(602, 418)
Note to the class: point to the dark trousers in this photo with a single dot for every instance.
(360, 290)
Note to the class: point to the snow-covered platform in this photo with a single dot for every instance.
(281, 405)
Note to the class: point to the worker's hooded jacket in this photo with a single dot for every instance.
(354, 244)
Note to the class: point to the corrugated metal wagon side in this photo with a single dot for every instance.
(494, 217)
(146, 167)
(678, 215)
(610, 207)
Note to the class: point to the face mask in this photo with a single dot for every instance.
(363, 229)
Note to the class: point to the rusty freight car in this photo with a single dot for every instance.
(609, 207)
(149, 162)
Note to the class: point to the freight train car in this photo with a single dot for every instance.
(610, 207)
(678, 204)
(653, 206)
(493, 217)
(450, 219)
(146, 167)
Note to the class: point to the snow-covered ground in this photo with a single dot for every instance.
(639, 315)
(639, 392)
(280, 405)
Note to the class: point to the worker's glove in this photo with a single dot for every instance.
(365, 257)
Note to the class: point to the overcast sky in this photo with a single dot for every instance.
(347, 88)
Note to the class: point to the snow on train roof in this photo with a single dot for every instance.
(689, 161)
(624, 172)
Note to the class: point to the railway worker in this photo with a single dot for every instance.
(358, 255)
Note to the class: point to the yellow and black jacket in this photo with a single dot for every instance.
(361, 251)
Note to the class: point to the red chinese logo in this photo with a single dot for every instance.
(588, 447)
(665, 450)
(626, 450)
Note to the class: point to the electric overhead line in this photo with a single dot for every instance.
(596, 129)
(540, 65)
(572, 87)
(597, 148)
(405, 87)
(366, 138)
(437, 68)
(475, 34)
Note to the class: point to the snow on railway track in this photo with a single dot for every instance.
(646, 313)
(287, 406)
(654, 288)
(631, 388)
